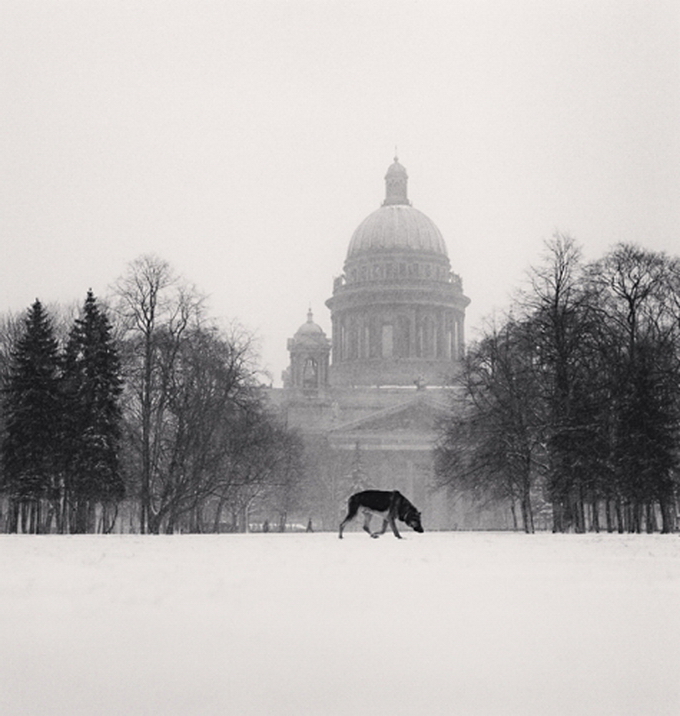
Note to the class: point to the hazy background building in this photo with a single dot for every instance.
(368, 399)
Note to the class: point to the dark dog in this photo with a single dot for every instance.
(389, 505)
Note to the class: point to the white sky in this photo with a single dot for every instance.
(245, 141)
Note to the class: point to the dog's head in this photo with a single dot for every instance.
(413, 520)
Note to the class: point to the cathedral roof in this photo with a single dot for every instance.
(309, 327)
(396, 225)
(310, 332)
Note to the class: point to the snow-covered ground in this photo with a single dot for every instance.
(305, 624)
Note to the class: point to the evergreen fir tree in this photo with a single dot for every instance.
(93, 384)
(31, 446)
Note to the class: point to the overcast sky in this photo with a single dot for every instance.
(245, 141)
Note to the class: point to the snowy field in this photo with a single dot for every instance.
(305, 624)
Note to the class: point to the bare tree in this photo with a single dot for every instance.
(584, 387)
(638, 300)
(156, 308)
(211, 382)
(490, 448)
(564, 323)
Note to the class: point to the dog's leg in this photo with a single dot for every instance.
(347, 519)
(351, 514)
(367, 524)
(393, 525)
(382, 531)
(392, 514)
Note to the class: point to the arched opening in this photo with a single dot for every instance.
(310, 374)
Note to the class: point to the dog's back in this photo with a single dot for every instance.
(374, 500)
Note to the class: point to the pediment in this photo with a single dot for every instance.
(416, 416)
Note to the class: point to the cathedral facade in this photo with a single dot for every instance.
(368, 399)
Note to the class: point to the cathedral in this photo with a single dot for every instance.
(368, 399)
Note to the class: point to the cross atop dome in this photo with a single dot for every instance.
(396, 181)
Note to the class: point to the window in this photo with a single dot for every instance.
(428, 338)
(387, 340)
(353, 348)
(403, 338)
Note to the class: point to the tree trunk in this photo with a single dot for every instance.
(147, 403)
(49, 513)
(218, 514)
(153, 523)
(198, 517)
(527, 514)
(558, 516)
(109, 517)
(33, 517)
(637, 517)
(25, 516)
(578, 510)
(12, 516)
(668, 520)
(595, 507)
(620, 516)
(650, 518)
(609, 517)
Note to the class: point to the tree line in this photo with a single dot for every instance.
(144, 411)
(568, 408)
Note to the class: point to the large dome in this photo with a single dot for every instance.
(397, 310)
(397, 226)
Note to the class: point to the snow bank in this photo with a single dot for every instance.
(305, 624)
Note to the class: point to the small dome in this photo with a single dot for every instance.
(400, 227)
(396, 184)
(396, 168)
(310, 329)
(310, 326)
